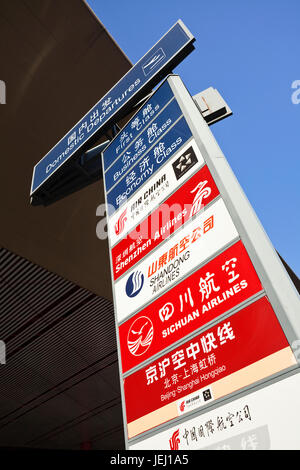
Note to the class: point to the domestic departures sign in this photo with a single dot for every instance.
(115, 104)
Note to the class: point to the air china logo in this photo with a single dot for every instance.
(134, 284)
(182, 406)
(119, 226)
(140, 336)
(175, 441)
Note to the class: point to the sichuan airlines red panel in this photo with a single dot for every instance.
(217, 287)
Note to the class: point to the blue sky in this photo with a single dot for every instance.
(249, 51)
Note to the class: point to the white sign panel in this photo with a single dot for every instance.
(263, 420)
(198, 240)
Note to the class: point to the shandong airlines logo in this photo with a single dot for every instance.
(175, 441)
(140, 336)
(119, 226)
(134, 284)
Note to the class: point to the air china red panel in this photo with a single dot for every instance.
(189, 199)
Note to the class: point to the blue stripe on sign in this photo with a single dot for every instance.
(155, 159)
(137, 150)
(137, 124)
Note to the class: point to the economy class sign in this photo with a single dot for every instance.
(147, 165)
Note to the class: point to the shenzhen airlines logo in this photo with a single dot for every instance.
(175, 441)
(140, 336)
(119, 226)
(202, 192)
(134, 284)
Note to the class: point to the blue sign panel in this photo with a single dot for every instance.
(150, 162)
(137, 124)
(135, 152)
(171, 45)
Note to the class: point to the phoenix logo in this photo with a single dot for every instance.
(140, 336)
(174, 441)
(119, 226)
(182, 406)
(134, 284)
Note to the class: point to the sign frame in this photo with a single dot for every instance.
(270, 270)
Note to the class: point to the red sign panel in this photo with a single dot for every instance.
(220, 285)
(187, 201)
(239, 341)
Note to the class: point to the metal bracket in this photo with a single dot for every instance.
(211, 105)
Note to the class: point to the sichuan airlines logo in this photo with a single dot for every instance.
(166, 312)
(134, 284)
(175, 441)
(140, 336)
(119, 226)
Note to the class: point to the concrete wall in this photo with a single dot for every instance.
(57, 61)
